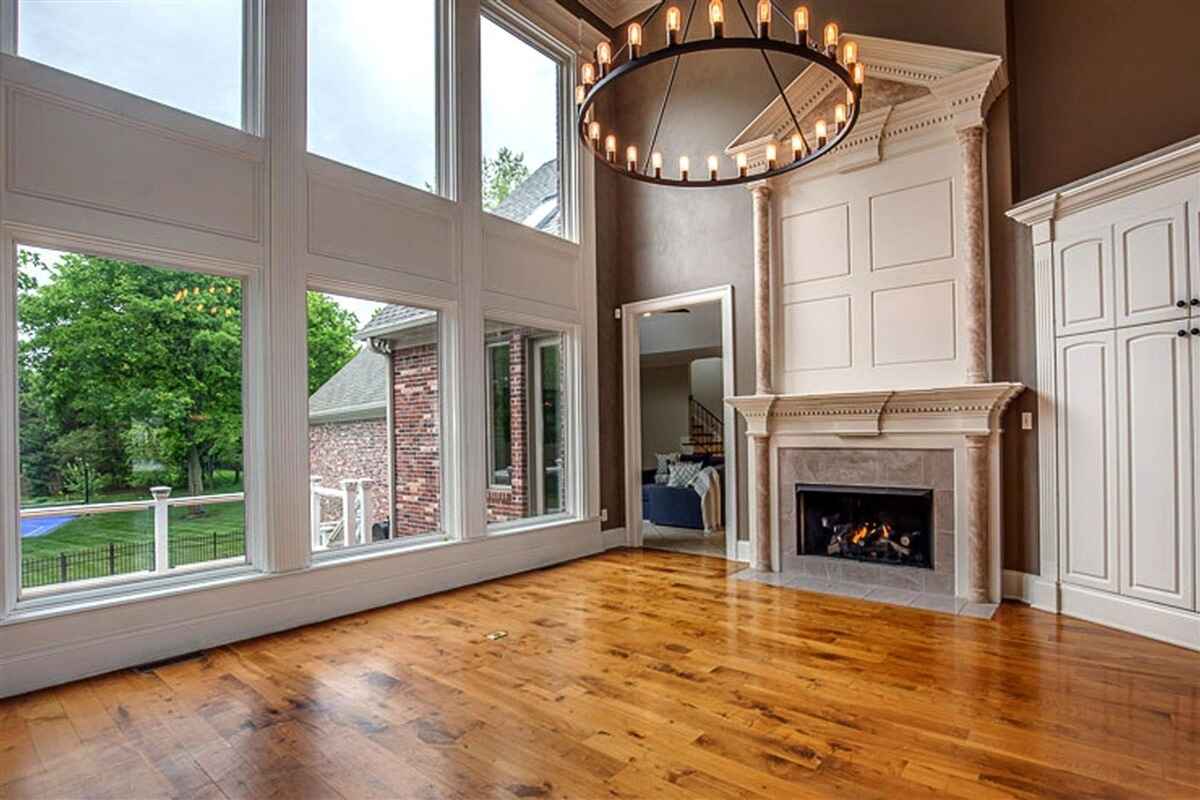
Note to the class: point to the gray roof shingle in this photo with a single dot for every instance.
(356, 391)
(536, 190)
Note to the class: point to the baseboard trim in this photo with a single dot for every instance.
(614, 537)
(1139, 617)
(1033, 590)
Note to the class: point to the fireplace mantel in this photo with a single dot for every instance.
(970, 409)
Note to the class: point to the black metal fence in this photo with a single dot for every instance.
(118, 558)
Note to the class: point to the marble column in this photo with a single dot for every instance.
(975, 288)
(978, 519)
(763, 379)
(760, 543)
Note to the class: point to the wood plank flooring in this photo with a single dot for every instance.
(631, 674)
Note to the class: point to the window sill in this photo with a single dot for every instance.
(382, 549)
(532, 524)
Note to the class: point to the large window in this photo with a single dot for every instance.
(188, 53)
(527, 423)
(130, 419)
(374, 421)
(521, 89)
(373, 86)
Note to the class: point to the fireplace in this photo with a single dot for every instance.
(875, 524)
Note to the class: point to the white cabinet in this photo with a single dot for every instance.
(1083, 275)
(1155, 462)
(1152, 282)
(1087, 444)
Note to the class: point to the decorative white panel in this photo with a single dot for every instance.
(1085, 281)
(816, 334)
(913, 225)
(1151, 274)
(816, 244)
(527, 265)
(913, 324)
(1156, 463)
(1087, 444)
(350, 224)
(72, 153)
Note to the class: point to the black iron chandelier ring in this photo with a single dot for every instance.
(840, 59)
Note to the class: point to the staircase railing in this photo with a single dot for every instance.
(706, 430)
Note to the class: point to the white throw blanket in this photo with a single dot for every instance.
(708, 485)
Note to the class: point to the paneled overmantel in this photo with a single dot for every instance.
(1116, 262)
(871, 287)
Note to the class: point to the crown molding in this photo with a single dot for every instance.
(1131, 176)
(962, 86)
(614, 12)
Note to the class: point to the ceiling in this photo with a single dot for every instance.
(614, 12)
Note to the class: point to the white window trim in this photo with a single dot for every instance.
(253, 62)
(550, 46)
(491, 421)
(253, 388)
(449, 482)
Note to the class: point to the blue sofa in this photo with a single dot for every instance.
(677, 507)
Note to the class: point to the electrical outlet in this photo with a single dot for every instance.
(604, 515)
(1026, 420)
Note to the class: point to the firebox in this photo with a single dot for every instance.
(883, 525)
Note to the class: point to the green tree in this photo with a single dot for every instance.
(501, 175)
(121, 361)
(330, 339)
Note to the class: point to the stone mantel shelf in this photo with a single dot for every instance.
(969, 409)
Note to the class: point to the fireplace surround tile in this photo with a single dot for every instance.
(943, 510)
(903, 468)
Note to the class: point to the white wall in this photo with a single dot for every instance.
(664, 410)
(699, 329)
(708, 385)
(126, 177)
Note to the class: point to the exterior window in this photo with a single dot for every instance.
(527, 419)
(374, 421)
(189, 55)
(522, 126)
(373, 87)
(130, 420)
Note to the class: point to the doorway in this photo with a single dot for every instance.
(680, 455)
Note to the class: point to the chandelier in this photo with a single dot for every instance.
(840, 59)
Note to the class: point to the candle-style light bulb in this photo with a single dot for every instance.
(800, 23)
(839, 117)
(587, 73)
(764, 19)
(822, 133)
(716, 18)
(683, 168)
(674, 24)
(635, 39)
(831, 39)
(743, 165)
(860, 73)
(594, 133)
(604, 57)
(772, 155)
(580, 94)
(797, 147)
(714, 167)
(631, 158)
(849, 53)
(656, 164)
(610, 147)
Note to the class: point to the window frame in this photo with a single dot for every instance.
(254, 344)
(573, 447)
(450, 480)
(253, 64)
(507, 18)
(491, 419)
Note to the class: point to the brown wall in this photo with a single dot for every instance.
(1100, 82)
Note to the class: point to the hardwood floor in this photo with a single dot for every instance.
(632, 674)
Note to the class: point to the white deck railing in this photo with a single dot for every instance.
(354, 525)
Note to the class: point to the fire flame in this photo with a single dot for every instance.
(864, 530)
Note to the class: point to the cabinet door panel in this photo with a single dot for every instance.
(1087, 473)
(1083, 282)
(1151, 267)
(1155, 462)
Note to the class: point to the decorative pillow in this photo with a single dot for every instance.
(665, 460)
(683, 473)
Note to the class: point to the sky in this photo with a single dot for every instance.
(371, 72)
